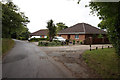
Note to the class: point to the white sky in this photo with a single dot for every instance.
(66, 11)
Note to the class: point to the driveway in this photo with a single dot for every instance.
(27, 60)
(71, 58)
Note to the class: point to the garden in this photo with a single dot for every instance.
(46, 42)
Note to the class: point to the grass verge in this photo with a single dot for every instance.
(105, 62)
(7, 44)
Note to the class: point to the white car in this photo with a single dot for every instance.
(61, 39)
(33, 37)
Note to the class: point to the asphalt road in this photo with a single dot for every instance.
(27, 60)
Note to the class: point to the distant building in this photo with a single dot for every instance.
(39, 34)
(81, 32)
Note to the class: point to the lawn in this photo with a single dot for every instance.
(7, 44)
(103, 61)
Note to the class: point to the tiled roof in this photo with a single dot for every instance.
(82, 28)
(40, 32)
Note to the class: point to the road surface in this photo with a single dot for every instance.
(27, 60)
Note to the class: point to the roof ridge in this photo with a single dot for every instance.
(35, 31)
(38, 31)
(84, 27)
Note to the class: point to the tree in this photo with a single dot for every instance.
(52, 29)
(61, 26)
(25, 34)
(13, 21)
(109, 13)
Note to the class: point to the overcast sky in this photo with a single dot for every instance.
(66, 11)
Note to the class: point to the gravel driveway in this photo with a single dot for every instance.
(70, 57)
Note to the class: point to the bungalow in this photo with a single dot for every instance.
(39, 34)
(81, 32)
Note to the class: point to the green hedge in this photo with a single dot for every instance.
(37, 39)
(51, 43)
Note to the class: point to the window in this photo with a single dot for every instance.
(76, 36)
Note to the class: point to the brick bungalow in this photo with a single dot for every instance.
(40, 34)
(81, 32)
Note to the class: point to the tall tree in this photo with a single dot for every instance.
(61, 26)
(52, 29)
(13, 21)
(109, 13)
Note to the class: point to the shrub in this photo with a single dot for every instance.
(67, 41)
(56, 41)
(22, 38)
(81, 42)
(37, 39)
(42, 38)
(50, 43)
(34, 40)
(78, 42)
(73, 42)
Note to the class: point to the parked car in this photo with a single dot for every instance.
(33, 37)
(61, 39)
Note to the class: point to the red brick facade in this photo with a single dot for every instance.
(64, 36)
(72, 37)
(83, 37)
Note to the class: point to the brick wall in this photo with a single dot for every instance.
(72, 37)
(85, 38)
(81, 37)
(64, 36)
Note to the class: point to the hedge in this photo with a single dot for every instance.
(51, 43)
(37, 39)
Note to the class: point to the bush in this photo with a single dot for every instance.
(22, 38)
(67, 41)
(53, 43)
(78, 42)
(42, 38)
(81, 42)
(73, 42)
(37, 39)
(56, 41)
